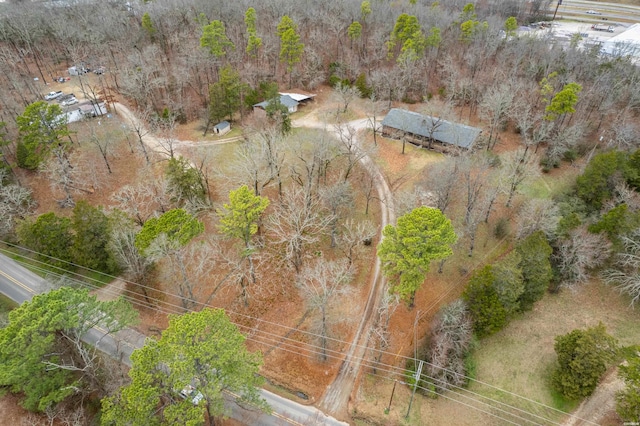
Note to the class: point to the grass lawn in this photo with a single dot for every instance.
(6, 304)
(550, 184)
(402, 169)
(521, 357)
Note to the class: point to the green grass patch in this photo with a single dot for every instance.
(561, 403)
(550, 185)
(6, 304)
(95, 278)
(520, 359)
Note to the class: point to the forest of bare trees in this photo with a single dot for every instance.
(287, 218)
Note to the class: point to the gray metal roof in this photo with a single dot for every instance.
(418, 124)
(222, 125)
(285, 100)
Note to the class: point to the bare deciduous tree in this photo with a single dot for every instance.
(322, 285)
(297, 223)
(139, 125)
(15, 203)
(260, 160)
(451, 335)
(346, 94)
(494, 108)
(625, 274)
(516, 168)
(537, 214)
(103, 141)
(338, 199)
(189, 266)
(349, 147)
(442, 181)
(63, 176)
(139, 200)
(354, 237)
(380, 331)
(578, 254)
(135, 265)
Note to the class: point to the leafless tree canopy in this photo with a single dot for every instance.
(450, 339)
(579, 254)
(626, 273)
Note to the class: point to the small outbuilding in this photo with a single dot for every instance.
(222, 127)
(429, 131)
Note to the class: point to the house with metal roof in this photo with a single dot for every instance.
(286, 100)
(429, 131)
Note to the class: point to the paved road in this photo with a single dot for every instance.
(611, 11)
(20, 285)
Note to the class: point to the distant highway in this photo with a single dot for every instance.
(577, 9)
(20, 285)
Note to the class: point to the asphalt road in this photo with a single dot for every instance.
(20, 285)
(611, 11)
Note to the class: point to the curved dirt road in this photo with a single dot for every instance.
(336, 398)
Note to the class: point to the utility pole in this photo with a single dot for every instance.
(395, 382)
(554, 13)
(415, 386)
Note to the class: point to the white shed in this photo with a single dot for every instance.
(222, 127)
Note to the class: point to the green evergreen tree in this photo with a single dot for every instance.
(508, 282)
(186, 183)
(147, 25)
(583, 356)
(177, 225)
(510, 26)
(563, 102)
(50, 236)
(278, 113)
(597, 183)
(291, 48)
(489, 316)
(628, 399)
(185, 376)
(42, 127)
(407, 250)
(616, 223)
(535, 254)
(91, 229)
(214, 39)
(239, 220)
(41, 352)
(254, 42)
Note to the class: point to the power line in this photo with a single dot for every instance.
(279, 341)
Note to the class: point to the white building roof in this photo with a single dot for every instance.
(627, 43)
(297, 96)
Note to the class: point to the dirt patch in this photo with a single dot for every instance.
(12, 412)
(600, 407)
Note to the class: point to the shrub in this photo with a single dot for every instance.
(582, 359)
(501, 230)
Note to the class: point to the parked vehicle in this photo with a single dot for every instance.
(52, 95)
(68, 102)
(602, 27)
(99, 70)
